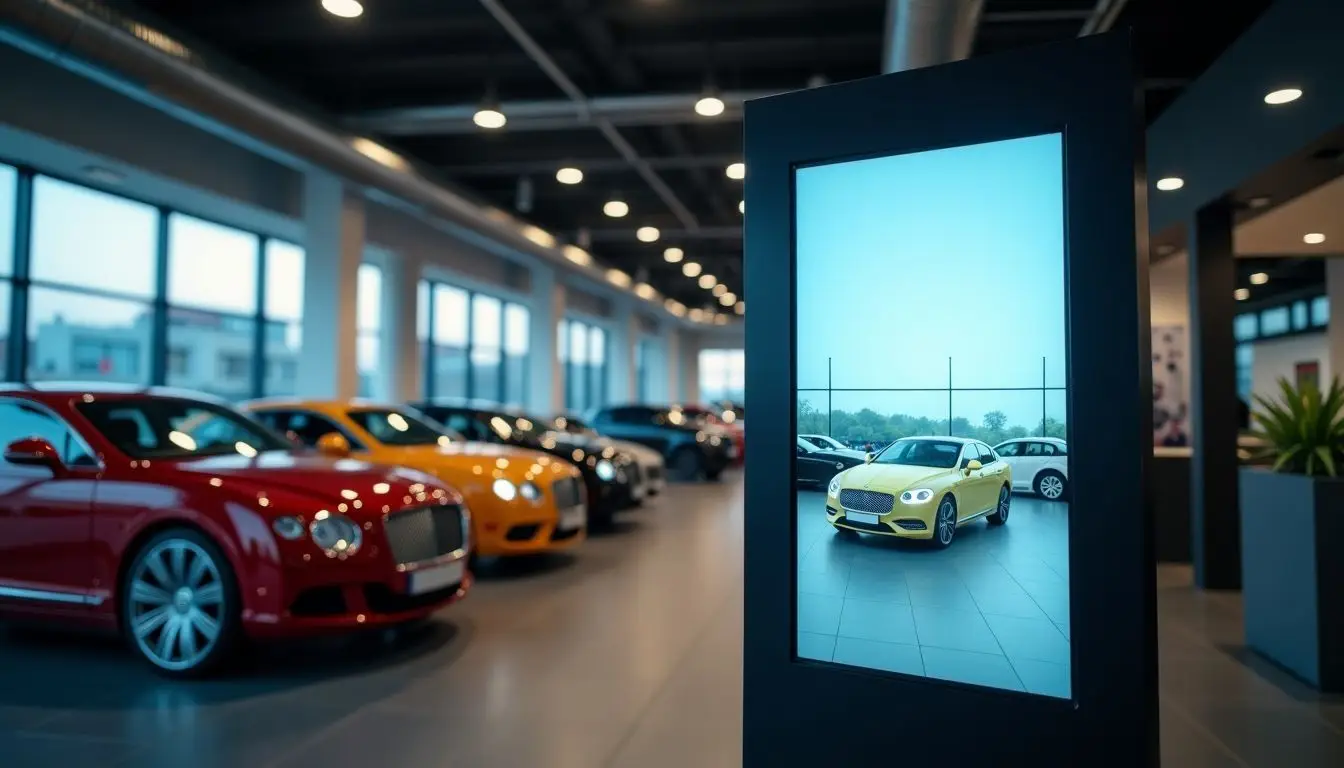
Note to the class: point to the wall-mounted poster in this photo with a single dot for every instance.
(1171, 387)
(1308, 374)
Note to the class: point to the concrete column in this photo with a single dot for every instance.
(621, 340)
(1334, 286)
(401, 350)
(334, 247)
(1214, 514)
(547, 306)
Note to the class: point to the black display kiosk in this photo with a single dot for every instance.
(799, 711)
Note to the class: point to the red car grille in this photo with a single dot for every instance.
(417, 535)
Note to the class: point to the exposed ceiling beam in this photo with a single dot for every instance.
(610, 235)
(1032, 17)
(923, 33)
(1102, 17)
(551, 115)
(589, 166)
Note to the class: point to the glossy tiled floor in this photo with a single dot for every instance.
(627, 656)
(992, 609)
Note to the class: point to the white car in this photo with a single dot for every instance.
(653, 473)
(1040, 465)
(826, 442)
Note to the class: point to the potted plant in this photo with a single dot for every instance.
(1292, 533)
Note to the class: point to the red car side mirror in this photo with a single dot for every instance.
(34, 452)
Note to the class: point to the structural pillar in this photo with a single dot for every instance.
(334, 247)
(402, 355)
(1214, 512)
(545, 382)
(1334, 287)
(672, 362)
(624, 335)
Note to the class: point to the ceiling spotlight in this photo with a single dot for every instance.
(346, 9)
(489, 118)
(720, 319)
(740, 308)
(1259, 278)
(741, 206)
(707, 281)
(673, 255)
(1170, 183)
(728, 299)
(690, 269)
(737, 171)
(1283, 96)
(1242, 294)
(720, 289)
(709, 105)
(615, 208)
(617, 277)
(1313, 238)
(569, 175)
(697, 315)
(647, 234)
(645, 291)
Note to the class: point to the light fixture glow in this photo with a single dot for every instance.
(569, 175)
(489, 119)
(673, 255)
(1313, 238)
(709, 106)
(346, 9)
(617, 277)
(1283, 96)
(615, 208)
(645, 291)
(707, 281)
(740, 308)
(697, 315)
(741, 206)
(728, 299)
(690, 269)
(675, 307)
(1242, 294)
(648, 234)
(723, 320)
(577, 255)
(720, 289)
(1259, 278)
(1170, 183)
(737, 171)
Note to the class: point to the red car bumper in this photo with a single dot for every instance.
(317, 609)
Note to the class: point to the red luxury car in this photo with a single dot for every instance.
(187, 526)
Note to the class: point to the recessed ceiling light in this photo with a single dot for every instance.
(615, 208)
(720, 319)
(707, 281)
(103, 175)
(720, 289)
(569, 175)
(709, 106)
(740, 308)
(673, 255)
(1313, 238)
(690, 269)
(728, 299)
(737, 171)
(1170, 183)
(645, 291)
(648, 234)
(346, 9)
(697, 315)
(489, 118)
(577, 255)
(617, 277)
(1242, 294)
(741, 206)
(1259, 278)
(1283, 96)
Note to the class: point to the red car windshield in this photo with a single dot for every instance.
(171, 428)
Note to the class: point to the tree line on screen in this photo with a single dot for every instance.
(870, 427)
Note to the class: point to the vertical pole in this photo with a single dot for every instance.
(1043, 390)
(829, 433)
(949, 396)
(501, 385)
(17, 347)
(471, 337)
(429, 338)
(257, 384)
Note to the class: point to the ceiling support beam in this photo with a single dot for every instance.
(923, 33)
(589, 166)
(612, 235)
(1103, 17)
(580, 99)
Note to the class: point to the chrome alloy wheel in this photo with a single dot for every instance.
(1003, 504)
(176, 604)
(947, 522)
(1052, 487)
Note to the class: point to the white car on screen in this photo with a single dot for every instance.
(1040, 465)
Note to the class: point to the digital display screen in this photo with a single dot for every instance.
(932, 457)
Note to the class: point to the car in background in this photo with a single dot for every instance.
(611, 477)
(187, 527)
(922, 488)
(713, 419)
(733, 413)
(1040, 465)
(814, 465)
(691, 448)
(651, 462)
(523, 502)
(829, 443)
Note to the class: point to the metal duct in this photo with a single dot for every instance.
(923, 33)
(76, 33)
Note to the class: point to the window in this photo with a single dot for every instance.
(212, 293)
(283, 340)
(449, 358)
(173, 428)
(88, 239)
(1245, 360)
(478, 345)
(396, 428)
(1246, 327)
(1009, 449)
(1299, 315)
(179, 361)
(19, 420)
(517, 332)
(1274, 321)
(584, 356)
(4, 329)
(93, 338)
(486, 348)
(369, 328)
(305, 427)
(722, 375)
(9, 180)
(1320, 311)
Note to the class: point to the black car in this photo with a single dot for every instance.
(815, 465)
(610, 475)
(691, 447)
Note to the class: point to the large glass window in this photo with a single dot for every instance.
(487, 347)
(584, 358)
(722, 375)
(478, 345)
(368, 342)
(212, 294)
(450, 342)
(517, 324)
(284, 317)
(9, 179)
(89, 314)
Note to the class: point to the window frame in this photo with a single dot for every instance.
(71, 432)
(431, 343)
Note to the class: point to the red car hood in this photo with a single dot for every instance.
(329, 480)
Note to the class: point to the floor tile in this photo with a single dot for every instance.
(814, 646)
(819, 614)
(885, 622)
(870, 654)
(985, 669)
(955, 630)
(829, 582)
(1008, 604)
(1044, 677)
(887, 589)
(1035, 639)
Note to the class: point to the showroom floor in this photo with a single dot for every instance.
(626, 656)
(992, 609)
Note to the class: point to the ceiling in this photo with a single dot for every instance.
(642, 63)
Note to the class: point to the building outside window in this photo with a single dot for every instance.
(9, 179)
(369, 329)
(517, 343)
(283, 337)
(722, 375)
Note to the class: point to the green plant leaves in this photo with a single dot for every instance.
(1303, 430)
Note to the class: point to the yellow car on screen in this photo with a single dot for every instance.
(521, 501)
(922, 488)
